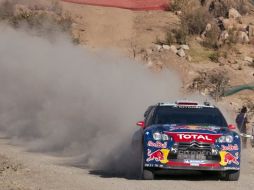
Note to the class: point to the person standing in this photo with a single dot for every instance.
(241, 121)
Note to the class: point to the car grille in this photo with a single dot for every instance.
(194, 146)
(194, 151)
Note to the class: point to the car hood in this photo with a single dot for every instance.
(189, 133)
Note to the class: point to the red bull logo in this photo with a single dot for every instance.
(158, 156)
(228, 158)
(157, 144)
(230, 147)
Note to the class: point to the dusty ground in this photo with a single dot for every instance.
(134, 34)
(24, 170)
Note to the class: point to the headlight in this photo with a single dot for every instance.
(157, 136)
(229, 139)
(164, 137)
(226, 139)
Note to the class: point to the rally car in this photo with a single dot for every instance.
(187, 135)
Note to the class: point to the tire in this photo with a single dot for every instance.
(148, 175)
(141, 169)
(231, 175)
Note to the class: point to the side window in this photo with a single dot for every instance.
(149, 118)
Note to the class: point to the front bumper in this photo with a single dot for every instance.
(186, 165)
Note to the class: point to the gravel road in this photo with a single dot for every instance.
(24, 170)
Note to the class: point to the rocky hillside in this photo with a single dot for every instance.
(209, 42)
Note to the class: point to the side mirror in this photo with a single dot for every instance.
(232, 127)
(141, 124)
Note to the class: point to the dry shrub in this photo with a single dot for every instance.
(6, 9)
(177, 5)
(196, 21)
(213, 82)
(220, 8)
(178, 35)
(46, 21)
(214, 57)
(212, 36)
(183, 5)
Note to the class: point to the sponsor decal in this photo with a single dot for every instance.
(157, 144)
(189, 137)
(158, 155)
(229, 147)
(149, 165)
(231, 168)
(194, 127)
(228, 158)
(194, 162)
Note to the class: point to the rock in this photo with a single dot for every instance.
(250, 29)
(173, 49)
(222, 61)
(149, 51)
(234, 14)
(208, 27)
(243, 37)
(166, 47)
(228, 24)
(199, 39)
(224, 35)
(248, 59)
(241, 27)
(181, 53)
(178, 13)
(158, 47)
(185, 47)
(189, 58)
(150, 63)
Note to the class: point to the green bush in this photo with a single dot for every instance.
(214, 57)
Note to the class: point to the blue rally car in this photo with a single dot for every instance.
(188, 136)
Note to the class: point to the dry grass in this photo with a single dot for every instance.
(46, 21)
(196, 21)
(199, 53)
(213, 82)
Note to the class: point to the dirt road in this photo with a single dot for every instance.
(36, 171)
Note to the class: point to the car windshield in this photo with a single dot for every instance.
(189, 116)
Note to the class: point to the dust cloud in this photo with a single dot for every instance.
(66, 100)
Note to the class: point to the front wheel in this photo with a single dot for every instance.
(148, 175)
(231, 175)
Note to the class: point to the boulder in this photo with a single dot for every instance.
(243, 37)
(251, 30)
(199, 39)
(224, 35)
(158, 47)
(229, 24)
(208, 27)
(173, 49)
(234, 14)
(241, 27)
(181, 53)
(189, 58)
(248, 59)
(166, 47)
(178, 13)
(185, 47)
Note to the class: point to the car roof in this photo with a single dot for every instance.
(186, 104)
